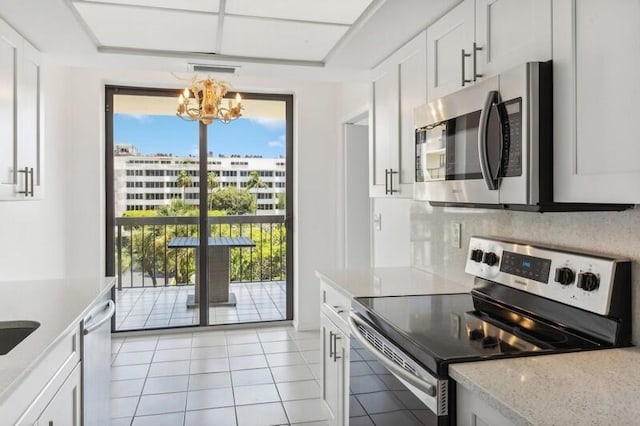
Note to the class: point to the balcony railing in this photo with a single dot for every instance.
(143, 258)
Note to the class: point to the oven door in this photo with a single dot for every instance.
(451, 164)
(389, 388)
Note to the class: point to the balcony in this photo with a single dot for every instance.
(154, 280)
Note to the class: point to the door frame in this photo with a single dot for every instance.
(288, 99)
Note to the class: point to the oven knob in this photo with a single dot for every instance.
(476, 334)
(490, 258)
(564, 276)
(588, 281)
(489, 342)
(476, 255)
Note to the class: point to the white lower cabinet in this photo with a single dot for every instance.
(471, 410)
(335, 371)
(64, 408)
(50, 395)
(335, 347)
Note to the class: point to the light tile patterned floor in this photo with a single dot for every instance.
(155, 307)
(250, 377)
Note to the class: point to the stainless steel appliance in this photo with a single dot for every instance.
(96, 364)
(491, 145)
(526, 300)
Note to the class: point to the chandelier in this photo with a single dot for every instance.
(203, 101)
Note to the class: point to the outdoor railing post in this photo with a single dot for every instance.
(119, 248)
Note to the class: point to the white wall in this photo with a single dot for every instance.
(316, 154)
(33, 232)
(391, 242)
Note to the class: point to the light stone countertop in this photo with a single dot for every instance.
(396, 281)
(583, 388)
(58, 305)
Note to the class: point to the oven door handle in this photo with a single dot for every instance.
(490, 103)
(416, 381)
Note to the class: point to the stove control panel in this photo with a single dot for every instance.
(581, 280)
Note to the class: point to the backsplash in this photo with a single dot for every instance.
(612, 233)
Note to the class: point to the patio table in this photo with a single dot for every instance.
(218, 267)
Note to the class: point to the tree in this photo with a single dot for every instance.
(183, 180)
(233, 201)
(254, 183)
(212, 183)
(281, 196)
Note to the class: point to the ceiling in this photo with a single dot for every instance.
(277, 30)
(307, 39)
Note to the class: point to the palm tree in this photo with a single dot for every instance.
(212, 183)
(253, 184)
(255, 181)
(183, 180)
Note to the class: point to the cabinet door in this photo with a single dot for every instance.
(330, 370)
(29, 153)
(413, 93)
(596, 54)
(10, 43)
(335, 371)
(473, 411)
(511, 32)
(386, 133)
(445, 40)
(64, 408)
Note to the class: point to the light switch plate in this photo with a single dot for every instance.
(377, 221)
(455, 235)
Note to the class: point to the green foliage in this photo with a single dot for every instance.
(139, 213)
(281, 196)
(233, 200)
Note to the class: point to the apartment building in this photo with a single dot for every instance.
(147, 182)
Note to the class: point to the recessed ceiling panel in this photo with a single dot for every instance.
(195, 5)
(155, 29)
(335, 11)
(263, 38)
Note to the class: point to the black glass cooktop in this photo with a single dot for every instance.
(440, 329)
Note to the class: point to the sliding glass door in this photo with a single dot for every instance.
(167, 180)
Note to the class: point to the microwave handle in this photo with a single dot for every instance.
(492, 100)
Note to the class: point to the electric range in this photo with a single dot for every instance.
(526, 300)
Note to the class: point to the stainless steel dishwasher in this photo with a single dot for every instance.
(96, 363)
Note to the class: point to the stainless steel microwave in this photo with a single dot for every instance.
(491, 144)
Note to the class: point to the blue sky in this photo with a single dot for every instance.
(153, 134)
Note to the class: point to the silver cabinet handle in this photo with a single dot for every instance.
(31, 180)
(476, 76)
(26, 181)
(390, 173)
(464, 55)
(111, 308)
(416, 381)
(335, 347)
(337, 308)
(331, 344)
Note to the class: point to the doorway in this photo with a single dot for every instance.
(357, 214)
(158, 207)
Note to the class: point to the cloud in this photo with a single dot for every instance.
(138, 117)
(278, 143)
(269, 123)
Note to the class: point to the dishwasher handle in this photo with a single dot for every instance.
(110, 310)
(416, 381)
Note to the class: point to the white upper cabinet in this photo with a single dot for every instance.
(446, 40)
(10, 43)
(399, 85)
(21, 155)
(510, 33)
(481, 38)
(596, 54)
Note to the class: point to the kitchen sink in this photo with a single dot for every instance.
(14, 332)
